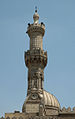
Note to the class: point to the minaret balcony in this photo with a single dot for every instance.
(32, 28)
(36, 57)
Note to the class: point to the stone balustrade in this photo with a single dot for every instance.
(36, 56)
(68, 110)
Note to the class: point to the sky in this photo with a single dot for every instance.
(59, 42)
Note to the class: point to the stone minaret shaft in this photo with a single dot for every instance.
(35, 58)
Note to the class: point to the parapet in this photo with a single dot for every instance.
(67, 110)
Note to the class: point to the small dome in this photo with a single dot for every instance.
(50, 100)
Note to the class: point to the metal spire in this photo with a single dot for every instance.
(35, 8)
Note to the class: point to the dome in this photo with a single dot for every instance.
(50, 100)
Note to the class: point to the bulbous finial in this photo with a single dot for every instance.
(35, 8)
(36, 16)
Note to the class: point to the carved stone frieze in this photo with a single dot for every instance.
(36, 57)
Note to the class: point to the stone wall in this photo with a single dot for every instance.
(63, 114)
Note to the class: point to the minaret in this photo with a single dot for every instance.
(35, 58)
(38, 101)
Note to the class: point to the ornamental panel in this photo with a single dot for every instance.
(32, 108)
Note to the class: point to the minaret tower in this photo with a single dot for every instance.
(37, 99)
(35, 58)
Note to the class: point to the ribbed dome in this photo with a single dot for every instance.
(50, 100)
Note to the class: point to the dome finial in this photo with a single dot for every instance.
(36, 16)
(35, 8)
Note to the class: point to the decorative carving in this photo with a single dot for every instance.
(35, 78)
(36, 57)
(32, 108)
(63, 109)
(74, 109)
(34, 96)
(69, 109)
(37, 73)
(33, 28)
(41, 110)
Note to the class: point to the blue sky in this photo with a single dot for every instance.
(59, 42)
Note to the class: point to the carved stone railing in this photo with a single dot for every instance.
(33, 28)
(68, 110)
(36, 56)
(42, 117)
